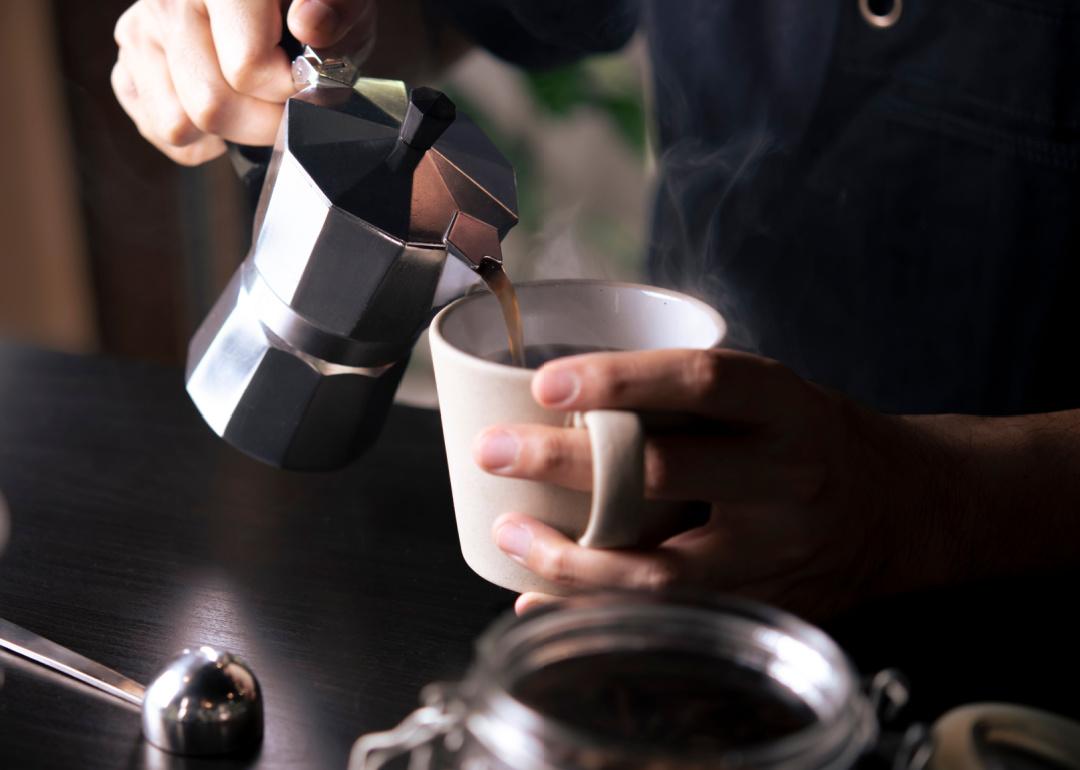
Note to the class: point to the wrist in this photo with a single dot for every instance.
(926, 503)
(992, 497)
(416, 42)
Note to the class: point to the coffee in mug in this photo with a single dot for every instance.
(536, 356)
(477, 390)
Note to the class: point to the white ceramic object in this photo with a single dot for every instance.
(475, 393)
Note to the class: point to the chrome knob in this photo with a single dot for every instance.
(205, 702)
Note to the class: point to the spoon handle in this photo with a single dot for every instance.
(51, 655)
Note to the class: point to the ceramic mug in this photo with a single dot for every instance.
(476, 392)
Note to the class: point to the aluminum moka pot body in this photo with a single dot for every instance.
(370, 187)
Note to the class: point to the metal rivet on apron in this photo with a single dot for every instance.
(882, 20)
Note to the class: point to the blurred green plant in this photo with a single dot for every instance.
(609, 86)
(562, 90)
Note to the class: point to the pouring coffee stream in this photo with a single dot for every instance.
(499, 282)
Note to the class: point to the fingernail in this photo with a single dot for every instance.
(556, 388)
(318, 17)
(498, 451)
(514, 539)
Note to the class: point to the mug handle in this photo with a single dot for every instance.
(616, 516)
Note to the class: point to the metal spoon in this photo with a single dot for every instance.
(204, 702)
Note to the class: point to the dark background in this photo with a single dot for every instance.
(162, 239)
(107, 244)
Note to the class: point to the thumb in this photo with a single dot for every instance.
(326, 23)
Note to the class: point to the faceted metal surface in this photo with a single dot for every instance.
(343, 140)
(298, 361)
(276, 403)
(473, 240)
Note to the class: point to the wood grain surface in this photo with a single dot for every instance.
(135, 531)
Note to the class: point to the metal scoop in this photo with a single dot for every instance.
(205, 701)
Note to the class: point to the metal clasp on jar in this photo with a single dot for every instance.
(440, 717)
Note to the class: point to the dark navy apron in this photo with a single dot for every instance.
(893, 211)
(890, 210)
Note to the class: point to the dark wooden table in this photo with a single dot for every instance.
(135, 531)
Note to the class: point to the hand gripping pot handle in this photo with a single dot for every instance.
(251, 162)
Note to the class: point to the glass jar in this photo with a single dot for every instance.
(629, 682)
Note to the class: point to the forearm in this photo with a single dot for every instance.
(1002, 494)
(540, 35)
(415, 42)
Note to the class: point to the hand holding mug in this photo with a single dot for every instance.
(815, 501)
(476, 391)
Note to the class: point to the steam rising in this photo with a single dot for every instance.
(692, 216)
(734, 84)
